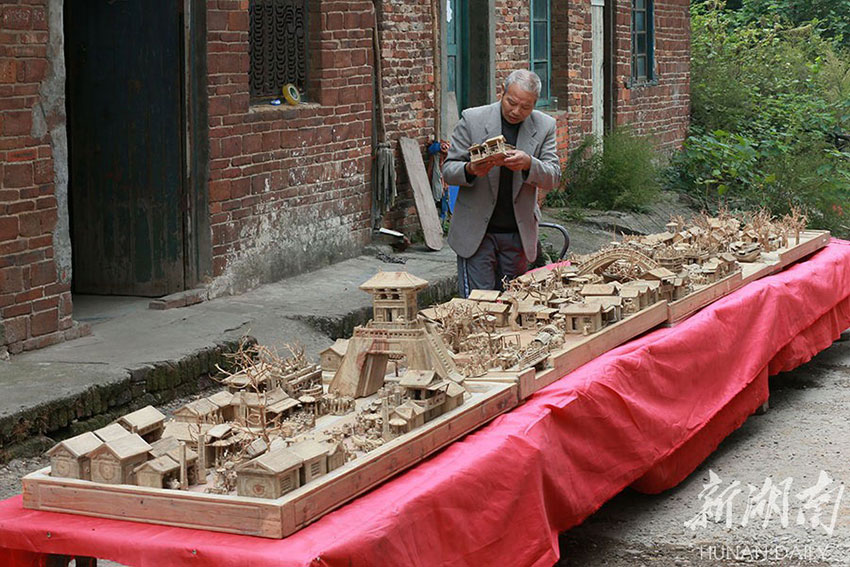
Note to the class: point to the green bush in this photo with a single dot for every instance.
(770, 112)
(621, 176)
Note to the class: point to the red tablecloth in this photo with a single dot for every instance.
(646, 414)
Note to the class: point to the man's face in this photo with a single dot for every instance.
(517, 104)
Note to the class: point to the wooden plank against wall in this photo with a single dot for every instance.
(422, 194)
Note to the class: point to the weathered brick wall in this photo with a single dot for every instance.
(407, 55)
(661, 111)
(35, 308)
(289, 186)
(513, 28)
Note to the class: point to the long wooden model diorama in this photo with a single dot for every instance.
(287, 440)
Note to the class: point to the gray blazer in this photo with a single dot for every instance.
(476, 201)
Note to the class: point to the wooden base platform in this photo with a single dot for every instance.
(261, 517)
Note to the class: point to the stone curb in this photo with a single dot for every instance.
(31, 431)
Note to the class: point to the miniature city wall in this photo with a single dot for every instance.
(288, 440)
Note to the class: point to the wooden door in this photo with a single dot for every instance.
(125, 124)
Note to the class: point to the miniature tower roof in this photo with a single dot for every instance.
(396, 280)
(78, 446)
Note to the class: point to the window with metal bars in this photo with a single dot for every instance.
(643, 40)
(541, 51)
(278, 46)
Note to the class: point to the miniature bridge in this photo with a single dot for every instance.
(602, 260)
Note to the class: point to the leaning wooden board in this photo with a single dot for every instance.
(422, 194)
(262, 517)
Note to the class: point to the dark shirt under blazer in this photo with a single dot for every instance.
(476, 200)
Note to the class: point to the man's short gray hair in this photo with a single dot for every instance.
(527, 81)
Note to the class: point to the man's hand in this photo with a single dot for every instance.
(517, 160)
(483, 167)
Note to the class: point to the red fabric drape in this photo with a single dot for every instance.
(645, 413)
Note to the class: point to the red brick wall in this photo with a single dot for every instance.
(35, 309)
(407, 54)
(289, 186)
(661, 111)
(513, 28)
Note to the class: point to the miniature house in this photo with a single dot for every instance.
(199, 411)
(666, 279)
(527, 312)
(395, 333)
(583, 318)
(406, 417)
(171, 447)
(114, 462)
(631, 297)
(394, 296)
(147, 422)
(269, 476)
(72, 458)
(255, 408)
(331, 357)
(111, 432)
(160, 472)
(499, 311)
(314, 457)
(612, 307)
(336, 455)
(224, 400)
(221, 438)
(491, 295)
(592, 290)
(432, 394)
(489, 148)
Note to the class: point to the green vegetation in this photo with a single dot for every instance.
(622, 176)
(770, 88)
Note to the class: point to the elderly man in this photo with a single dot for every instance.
(494, 225)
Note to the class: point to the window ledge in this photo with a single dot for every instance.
(264, 108)
(641, 83)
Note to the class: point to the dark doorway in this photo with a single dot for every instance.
(131, 194)
(468, 51)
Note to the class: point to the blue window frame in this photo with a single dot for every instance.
(541, 48)
(643, 41)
